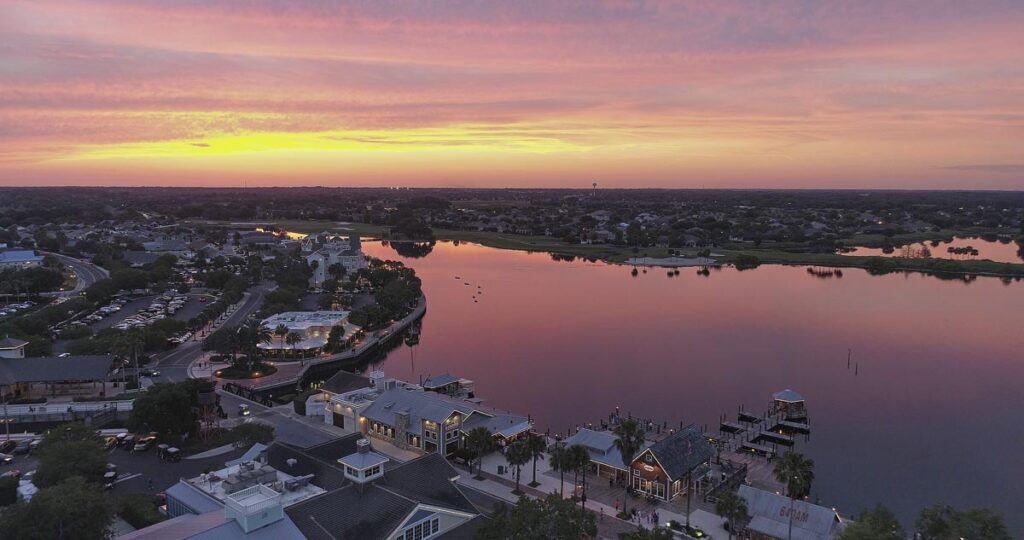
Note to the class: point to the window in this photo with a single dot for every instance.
(419, 531)
(373, 470)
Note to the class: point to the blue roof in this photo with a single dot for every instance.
(199, 502)
(19, 256)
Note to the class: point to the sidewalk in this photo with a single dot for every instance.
(608, 526)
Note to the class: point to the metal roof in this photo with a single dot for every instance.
(787, 395)
(770, 513)
(50, 369)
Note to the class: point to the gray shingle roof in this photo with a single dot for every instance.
(682, 451)
(350, 513)
(11, 343)
(427, 480)
(55, 369)
(344, 381)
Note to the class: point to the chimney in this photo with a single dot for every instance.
(363, 446)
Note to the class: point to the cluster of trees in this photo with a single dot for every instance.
(35, 327)
(69, 503)
(396, 290)
(31, 281)
(153, 337)
(940, 522)
(169, 408)
(408, 224)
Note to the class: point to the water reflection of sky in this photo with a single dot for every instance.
(934, 413)
(991, 250)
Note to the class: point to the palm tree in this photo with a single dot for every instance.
(132, 343)
(796, 472)
(517, 455)
(479, 439)
(732, 507)
(629, 440)
(537, 446)
(281, 331)
(559, 459)
(579, 458)
(254, 332)
(292, 339)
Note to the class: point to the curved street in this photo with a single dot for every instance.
(88, 273)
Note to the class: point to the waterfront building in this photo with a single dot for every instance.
(666, 469)
(604, 455)
(410, 417)
(323, 250)
(314, 327)
(770, 517)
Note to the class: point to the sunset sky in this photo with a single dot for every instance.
(814, 93)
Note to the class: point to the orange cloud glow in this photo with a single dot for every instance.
(521, 93)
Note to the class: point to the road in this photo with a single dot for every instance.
(286, 429)
(173, 365)
(87, 273)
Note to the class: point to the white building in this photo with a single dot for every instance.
(314, 327)
(324, 249)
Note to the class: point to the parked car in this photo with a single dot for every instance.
(6, 459)
(109, 442)
(144, 443)
(6, 447)
(109, 478)
(23, 447)
(243, 410)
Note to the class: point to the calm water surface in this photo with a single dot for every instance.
(1008, 252)
(934, 413)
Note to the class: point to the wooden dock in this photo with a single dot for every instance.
(792, 427)
(773, 437)
(731, 427)
(760, 449)
(749, 418)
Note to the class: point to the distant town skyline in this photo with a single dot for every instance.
(728, 94)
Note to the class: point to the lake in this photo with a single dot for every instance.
(931, 411)
(1008, 252)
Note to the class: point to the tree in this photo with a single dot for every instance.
(579, 458)
(70, 450)
(293, 339)
(559, 459)
(517, 455)
(797, 473)
(72, 510)
(281, 331)
(337, 270)
(250, 433)
(732, 507)
(165, 408)
(876, 524)
(657, 533)
(629, 440)
(550, 518)
(536, 445)
(480, 440)
(942, 522)
(253, 332)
